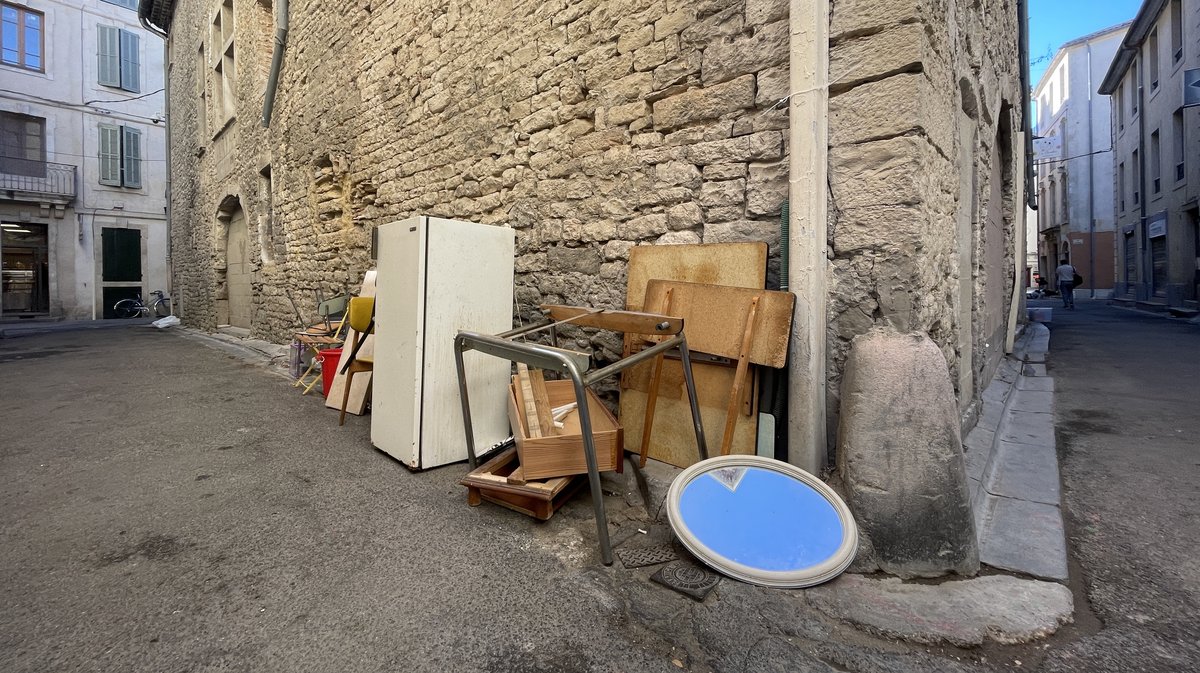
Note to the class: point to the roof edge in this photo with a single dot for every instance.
(1139, 29)
(1079, 41)
(159, 13)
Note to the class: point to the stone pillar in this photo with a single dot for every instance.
(900, 457)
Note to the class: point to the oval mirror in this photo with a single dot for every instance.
(762, 521)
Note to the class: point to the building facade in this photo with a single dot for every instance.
(591, 127)
(1076, 215)
(1156, 141)
(82, 158)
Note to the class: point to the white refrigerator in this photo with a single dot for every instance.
(436, 277)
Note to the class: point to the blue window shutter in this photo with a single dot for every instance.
(110, 155)
(108, 53)
(130, 80)
(131, 157)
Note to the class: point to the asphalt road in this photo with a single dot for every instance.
(1128, 434)
(167, 506)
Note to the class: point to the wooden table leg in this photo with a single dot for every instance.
(652, 397)
(739, 379)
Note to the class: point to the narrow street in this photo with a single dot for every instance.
(1128, 431)
(168, 506)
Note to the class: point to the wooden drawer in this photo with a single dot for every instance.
(562, 454)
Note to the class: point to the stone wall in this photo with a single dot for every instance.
(589, 127)
(924, 104)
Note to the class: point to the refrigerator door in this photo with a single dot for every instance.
(399, 340)
(468, 286)
(437, 277)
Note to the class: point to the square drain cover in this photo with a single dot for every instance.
(637, 557)
(687, 578)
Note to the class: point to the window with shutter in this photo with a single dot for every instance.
(110, 155)
(129, 62)
(108, 49)
(131, 157)
(119, 58)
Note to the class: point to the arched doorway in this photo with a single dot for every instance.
(237, 269)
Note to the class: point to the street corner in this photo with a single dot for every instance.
(960, 612)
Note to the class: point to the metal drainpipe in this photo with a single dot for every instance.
(176, 306)
(281, 32)
(1091, 181)
(808, 171)
(1147, 254)
(1027, 123)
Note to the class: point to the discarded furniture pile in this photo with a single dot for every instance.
(704, 344)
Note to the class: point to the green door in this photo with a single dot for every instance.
(121, 266)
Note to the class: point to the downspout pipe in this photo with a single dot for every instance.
(175, 304)
(1146, 277)
(1026, 100)
(1091, 146)
(151, 27)
(281, 32)
(808, 244)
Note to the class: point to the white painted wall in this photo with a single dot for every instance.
(1090, 112)
(1079, 189)
(68, 96)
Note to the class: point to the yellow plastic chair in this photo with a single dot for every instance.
(361, 317)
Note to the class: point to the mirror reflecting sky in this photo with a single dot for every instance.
(760, 518)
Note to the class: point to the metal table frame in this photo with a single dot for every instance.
(575, 366)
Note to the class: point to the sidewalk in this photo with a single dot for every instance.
(13, 329)
(1012, 465)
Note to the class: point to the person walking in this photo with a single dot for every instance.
(1065, 275)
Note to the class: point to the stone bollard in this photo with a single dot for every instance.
(900, 456)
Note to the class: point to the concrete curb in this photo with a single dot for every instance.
(1012, 466)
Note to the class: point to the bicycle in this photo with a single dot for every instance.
(132, 308)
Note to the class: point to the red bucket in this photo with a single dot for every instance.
(329, 361)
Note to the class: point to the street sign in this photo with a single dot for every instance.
(1156, 226)
(1191, 87)
(1047, 149)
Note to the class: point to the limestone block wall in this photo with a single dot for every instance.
(591, 127)
(587, 126)
(925, 105)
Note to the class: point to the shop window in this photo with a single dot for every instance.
(25, 273)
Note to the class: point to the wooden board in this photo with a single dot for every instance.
(541, 402)
(673, 439)
(533, 420)
(539, 499)
(357, 404)
(735, 264)
(715, 318)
